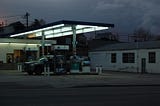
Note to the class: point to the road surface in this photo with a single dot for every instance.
(84, 96)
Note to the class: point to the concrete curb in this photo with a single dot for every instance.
(116, 85)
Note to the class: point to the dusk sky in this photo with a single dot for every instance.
(127, 15)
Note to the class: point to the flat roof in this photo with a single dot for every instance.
(63, 28)
(129, 46)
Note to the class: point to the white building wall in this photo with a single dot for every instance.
(104, 59)
(97, 59)
(152, 67)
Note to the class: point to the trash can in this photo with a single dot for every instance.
(86, 66)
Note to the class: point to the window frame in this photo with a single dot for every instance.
(128, 57)
(113, 57)
(152, 57)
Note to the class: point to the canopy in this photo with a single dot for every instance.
(63, 28)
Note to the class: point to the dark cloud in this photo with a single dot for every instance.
(127, 15)
(131, 14)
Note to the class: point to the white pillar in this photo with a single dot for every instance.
(43, 43)
(74, 41)
(100, 69)
(97, 69)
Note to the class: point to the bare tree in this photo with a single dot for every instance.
(142, 34)
(38, 23)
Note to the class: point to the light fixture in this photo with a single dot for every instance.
(42, 29)
(18, 44)
(62, 30)
(48, 32)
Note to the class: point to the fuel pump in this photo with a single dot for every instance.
(75, 64)
(60, 64)
(60, 58)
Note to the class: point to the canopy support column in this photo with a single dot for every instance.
(43, 43)
(74, 42)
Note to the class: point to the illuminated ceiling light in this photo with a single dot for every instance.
(15, 35)
(64, 29)
(38, 34)
(52, 27)
(33, 44)
(89, 30)
(82, 26)
(18, 44)
(53, 35)
(101, 28)
(48, 32)
(57, 35)
(85, 30)
(49, 36)
(43, 29)
(57, 30)
(67, 33)
(4, 43)
(79, 31)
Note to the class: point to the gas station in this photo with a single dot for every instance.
(61, 29)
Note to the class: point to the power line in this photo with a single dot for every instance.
(25, 16)
(11, 16)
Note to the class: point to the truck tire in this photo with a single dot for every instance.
(38, 71)
(30, 72)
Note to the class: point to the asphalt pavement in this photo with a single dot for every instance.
(106, 89)
(10, 78)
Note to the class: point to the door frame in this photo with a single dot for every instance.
(143, 65)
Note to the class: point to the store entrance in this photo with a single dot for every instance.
(19, 56)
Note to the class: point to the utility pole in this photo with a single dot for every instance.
(27, 16)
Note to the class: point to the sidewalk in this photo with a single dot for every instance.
(22, 80)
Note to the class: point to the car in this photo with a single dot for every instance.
(35, 67)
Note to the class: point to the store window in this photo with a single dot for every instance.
(128, 58)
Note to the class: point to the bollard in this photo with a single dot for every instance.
(96, 69)
(48, 71)
(100, 69)
(19, 67)
(45, 70)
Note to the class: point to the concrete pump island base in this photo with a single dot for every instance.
(58, 66)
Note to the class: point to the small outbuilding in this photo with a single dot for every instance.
(140, 57)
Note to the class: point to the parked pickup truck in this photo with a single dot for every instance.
(56, 64)
(35, 67)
